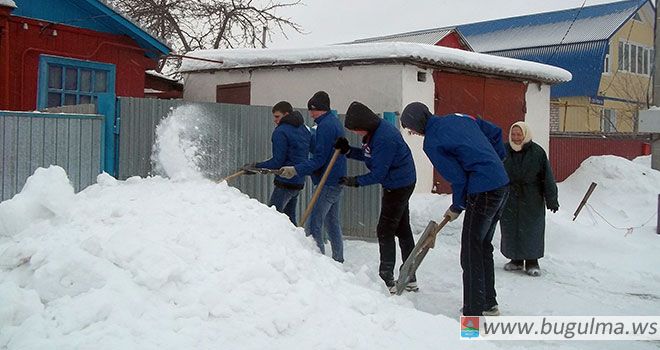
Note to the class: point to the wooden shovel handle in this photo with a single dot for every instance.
(430, 240)
(233, 176)
(317, 193)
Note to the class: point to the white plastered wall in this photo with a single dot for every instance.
(538, 113)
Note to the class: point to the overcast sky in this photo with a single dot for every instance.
(335, 21)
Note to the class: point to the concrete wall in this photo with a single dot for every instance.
(415, 91)
(538, 113)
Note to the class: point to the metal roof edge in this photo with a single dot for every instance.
(131, 26)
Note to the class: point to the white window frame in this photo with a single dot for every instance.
(606, 64)
(626, 62)
(608, 120)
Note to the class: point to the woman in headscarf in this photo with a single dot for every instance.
(533, 189)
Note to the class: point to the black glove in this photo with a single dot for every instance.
(342, 145)
(349, 181)
(553, 209)
(249, 168)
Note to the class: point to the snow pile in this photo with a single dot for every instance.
(643, 160)
(183, 263)
(8, 3)
(46, 194)
(437, 55)
(154, 263)
(626, 193)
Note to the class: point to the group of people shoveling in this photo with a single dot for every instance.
(489, 180)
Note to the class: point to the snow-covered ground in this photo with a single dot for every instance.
(589, 268)
(186, 263)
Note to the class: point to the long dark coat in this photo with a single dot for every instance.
(532, 190)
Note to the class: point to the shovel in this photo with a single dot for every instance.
(317, 193)
(426, 242)
(256, 170)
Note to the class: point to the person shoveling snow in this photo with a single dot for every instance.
(468, 152)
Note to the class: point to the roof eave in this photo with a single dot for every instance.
(432, 64)
(156, 47)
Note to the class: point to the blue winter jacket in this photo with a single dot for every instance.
(388, 158)
(468, 152)
(291, 140)
(328, 129)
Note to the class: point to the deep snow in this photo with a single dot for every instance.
(188, 263)
(589, 268)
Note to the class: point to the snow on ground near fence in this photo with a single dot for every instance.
(183, 263)
(589, 268)
(245, 58)
(186, 263)
(162, 264)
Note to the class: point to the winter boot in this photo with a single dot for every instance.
(412, 286)
(493, 311)
(513, 265)
(391, 286)
(532, 268)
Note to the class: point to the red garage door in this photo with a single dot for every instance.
(496, 100)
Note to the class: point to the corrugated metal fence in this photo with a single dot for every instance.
(569, 150)
(32, 140)
(229, 136)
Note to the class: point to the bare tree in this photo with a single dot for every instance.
(207, 24)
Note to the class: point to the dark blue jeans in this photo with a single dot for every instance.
(481, 216)
(285, 201)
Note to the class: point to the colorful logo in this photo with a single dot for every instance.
(469, 326)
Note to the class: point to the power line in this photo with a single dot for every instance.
(567, 31)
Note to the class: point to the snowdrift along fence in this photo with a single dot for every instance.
(31, 140)
(231, 136)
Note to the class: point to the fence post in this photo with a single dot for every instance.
(390, 117)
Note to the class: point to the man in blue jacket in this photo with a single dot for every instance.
(390, 163)
(468, 153)
(326, 210)
(290, 140)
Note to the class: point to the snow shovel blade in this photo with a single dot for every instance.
(269, 171)
(416, 256)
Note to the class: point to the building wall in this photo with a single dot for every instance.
(28, 39)
(620, 90)
(415, 91)
(538, 113)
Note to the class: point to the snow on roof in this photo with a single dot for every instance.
(8, 3)
(397, 51)
(160, 75)
(423, 37)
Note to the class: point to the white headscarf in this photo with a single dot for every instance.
(527, 134)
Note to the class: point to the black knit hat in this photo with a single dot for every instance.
(319, 102)
(360, 117)
(415, 116)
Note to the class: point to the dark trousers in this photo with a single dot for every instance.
(394, 221)
(481, 216)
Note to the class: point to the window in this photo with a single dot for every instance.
(635, 58)
(70, 85)
(608, 120)
(637, 17)
(606, 64)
